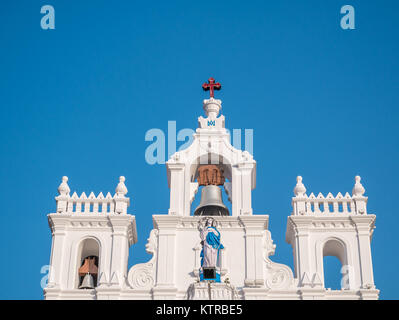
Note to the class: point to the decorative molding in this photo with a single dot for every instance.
(211, 291)
(278, 276)
(94, 222)
(142, 275)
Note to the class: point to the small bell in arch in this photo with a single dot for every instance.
(89, 272)
(88, 282)
(211, 204)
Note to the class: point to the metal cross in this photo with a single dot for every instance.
(211, 86)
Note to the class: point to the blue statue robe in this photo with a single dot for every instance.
(211, 247)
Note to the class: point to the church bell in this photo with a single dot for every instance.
(211, 204)
(88, 282)
(87, 270)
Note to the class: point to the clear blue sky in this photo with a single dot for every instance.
(78, 100)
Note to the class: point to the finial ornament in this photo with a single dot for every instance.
(212, 107)
(299, 189)
(211, 86)
(63, 188)
(358, 189)
(121, 189)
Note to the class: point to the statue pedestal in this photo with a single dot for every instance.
(206, 290)
(209, 274)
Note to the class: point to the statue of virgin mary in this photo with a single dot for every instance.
(210, 240)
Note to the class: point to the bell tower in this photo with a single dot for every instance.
(337, 226)
(211, 162)
(91, 237)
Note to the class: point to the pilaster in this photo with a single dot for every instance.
(165, 278)
(255, 227)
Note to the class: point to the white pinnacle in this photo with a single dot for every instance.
(63, 188)
(299, 189)
(121, 189)
(212, 107)
(358, 189)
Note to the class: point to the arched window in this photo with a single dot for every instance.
(334, 264)
(89, 250)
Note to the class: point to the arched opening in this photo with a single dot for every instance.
(212, 199)
(213, 168)
(334, 263)
(88, 263)
(332, 272)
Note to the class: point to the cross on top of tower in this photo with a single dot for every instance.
(211, 86)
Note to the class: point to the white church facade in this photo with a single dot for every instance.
(209, 252)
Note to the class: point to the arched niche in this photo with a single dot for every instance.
(211, 148)
(88, 248)
(334, 247)
(225, 167)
